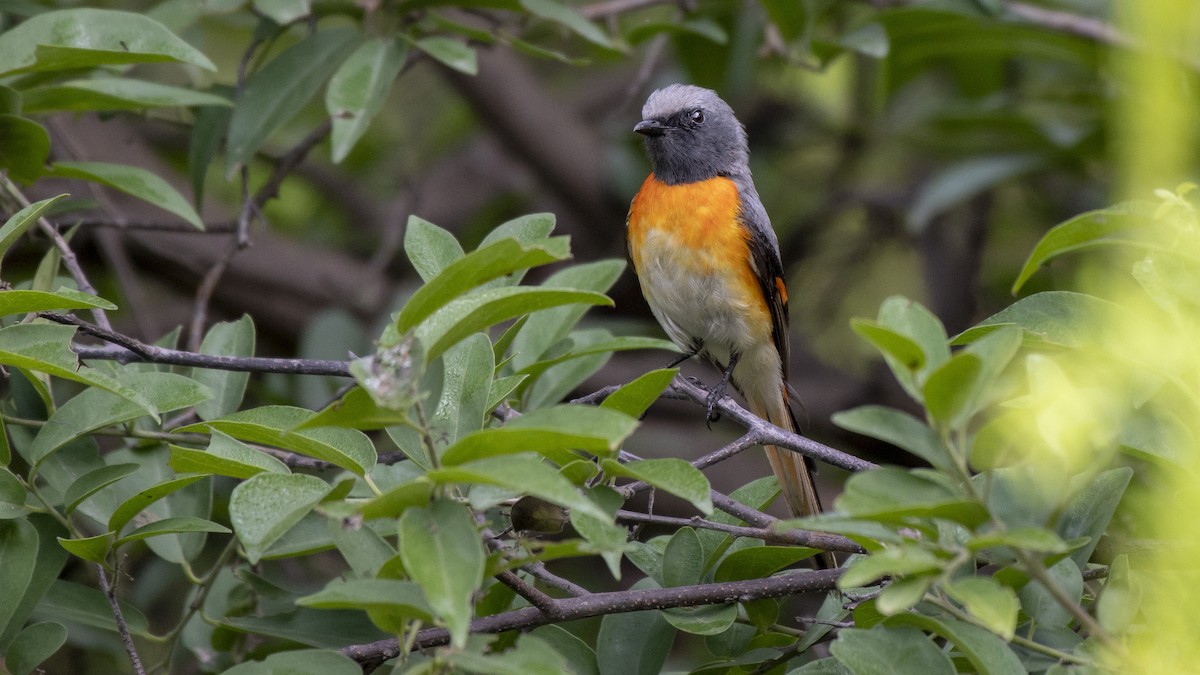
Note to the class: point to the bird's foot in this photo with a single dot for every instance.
(710, 403)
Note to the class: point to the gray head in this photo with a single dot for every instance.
(692, 135)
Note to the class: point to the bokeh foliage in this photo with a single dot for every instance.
(1039, 451)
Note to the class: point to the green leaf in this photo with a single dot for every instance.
(760, 562)
(93, 481)
(605, 345)
(451, 53)
(47, 349)
(464, 402)
(442, 552)
(404, 597)
(527, 229)
(870, 39)
(21, 302)
(115, 93)
(273, 425)
(546, 431)
(429, 248)
(135, 504)
(891, 494)
(947, 390)
(328, 628)
(525, 474)
(890, 343)
(488, 262)
(683, 559)
(24, 147)
(635, 643)
(85, 38)
(962, 180)
(173, 525)
(36, 643)
(546, 328)
(29, 543)
(1036, 539)
(1094, 228)
(22, 220)
(581, 659)
(1090, 511)
(481, 309)
(92, 549)
(1061, 318)
(209, 127)
(671, 474)
(530, 656)
(607, 537)
(588, 350)
(365, 549)
(994, 605)
(902, 594)
(226, 338)
(266, 506)
(898, 561)
(12, 495)
(703, 27)
(553, 10)
(636, 397)
(898, 428)
(18, 557)
(356, 410)
(359, 89)
(273, 94)
(987, 653)
(883, 651)
(702, 619)
(299, 661)
(226, 456)
(131, 180)
(912, 321)
(95, 408)
(1040, 605)
(75, 603)
(284, 12)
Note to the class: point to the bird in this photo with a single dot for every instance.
(708, 263)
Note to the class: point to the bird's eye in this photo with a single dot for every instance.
(697, 117)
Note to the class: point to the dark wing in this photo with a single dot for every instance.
(768, 268)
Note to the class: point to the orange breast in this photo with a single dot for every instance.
(701, 216)
(693, 229)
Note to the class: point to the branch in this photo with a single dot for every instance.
(765, 433)
(110, 592)
(1070, 23)
(596, 604)
(819, 540)
(128, 350)
(68, 256)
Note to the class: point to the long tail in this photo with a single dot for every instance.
(791, 469)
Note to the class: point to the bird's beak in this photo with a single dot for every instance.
(650, 128)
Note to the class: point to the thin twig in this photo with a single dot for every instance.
(110, 592)
(537, 570)
(820, 540)
(68, 256)
(766, 433)
(596, 604)
(130, 350)
(535, 597)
